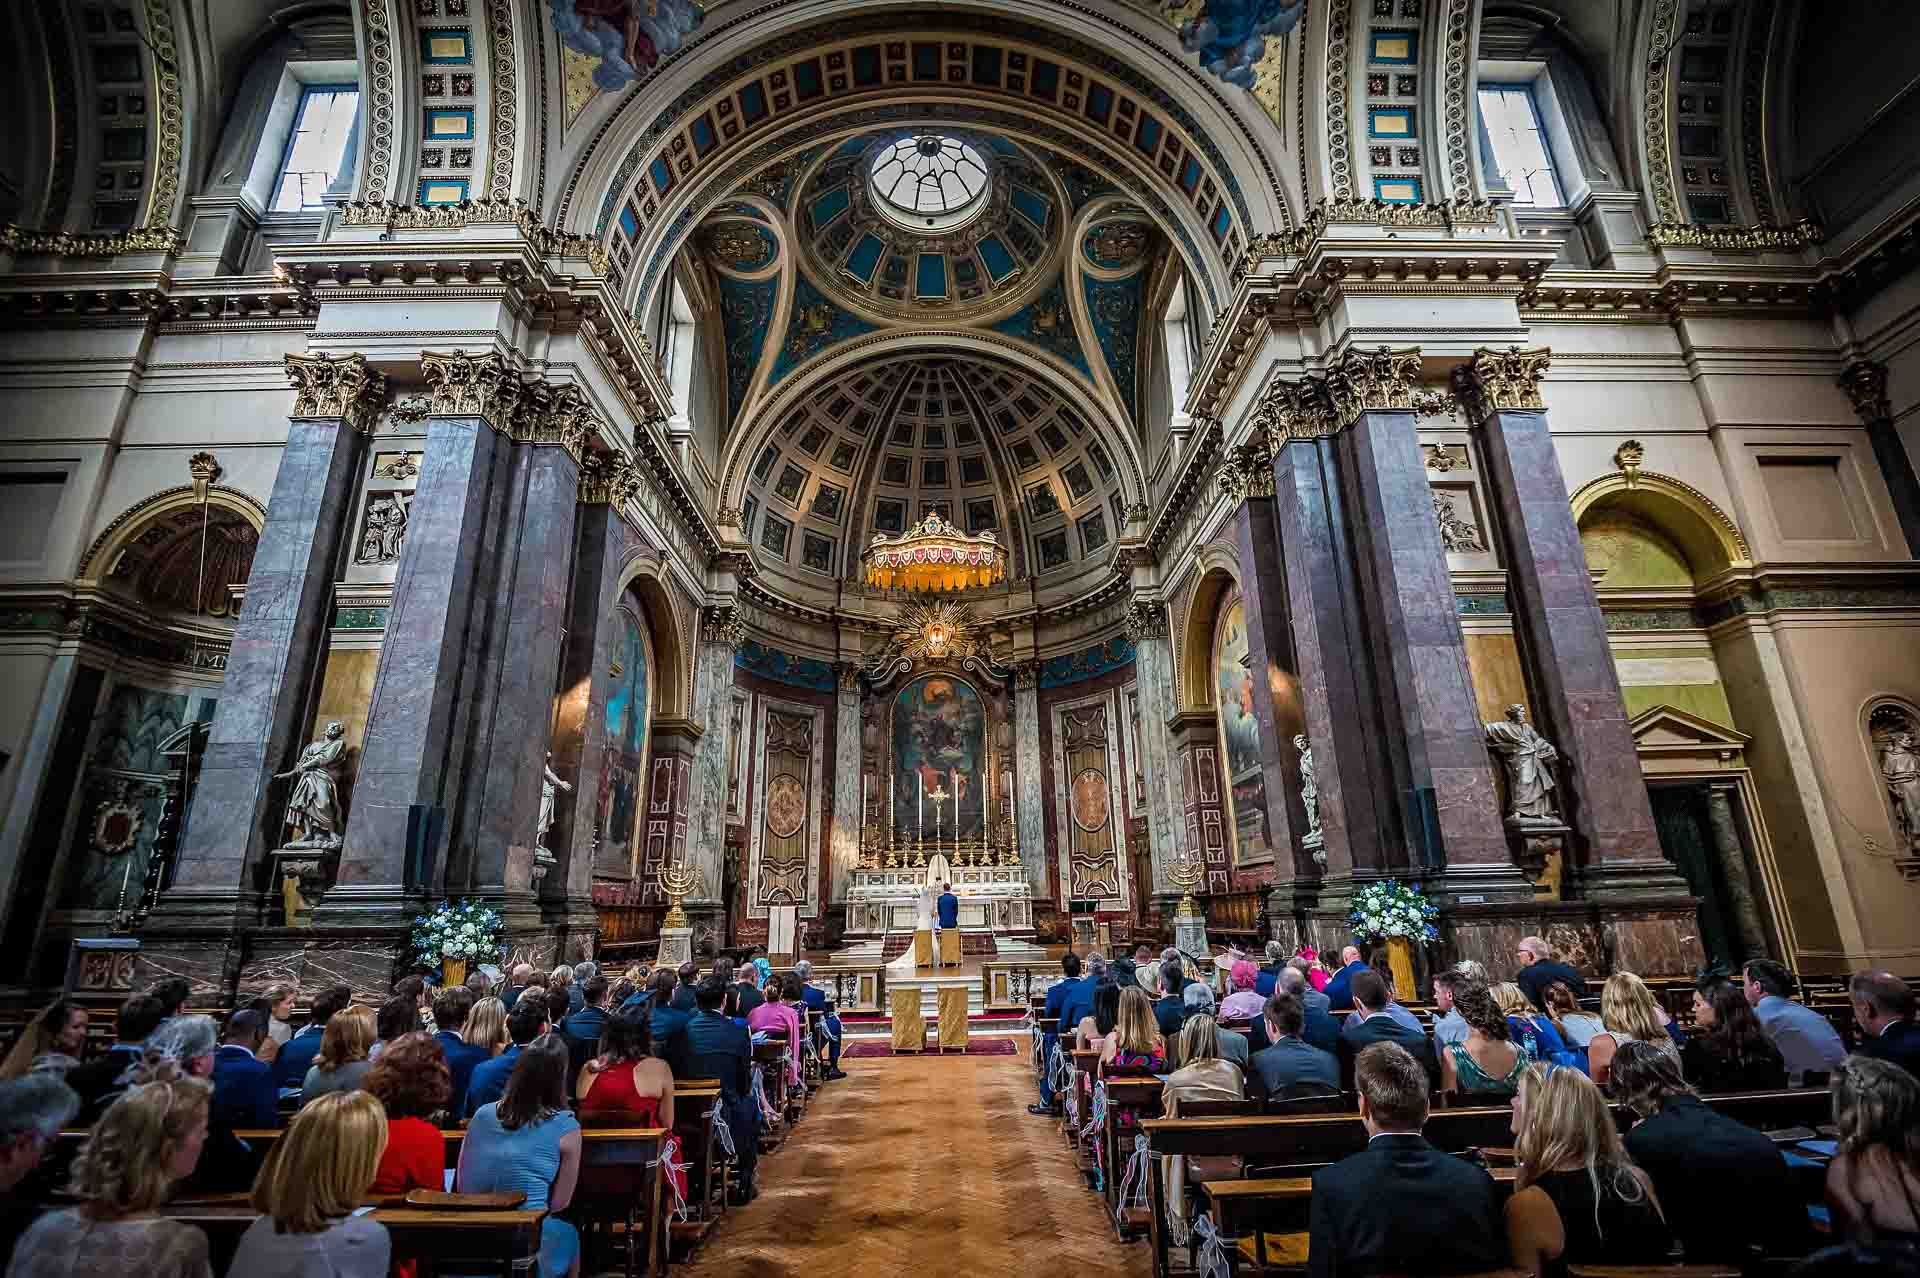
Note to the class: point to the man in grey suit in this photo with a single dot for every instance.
(1290, 1063)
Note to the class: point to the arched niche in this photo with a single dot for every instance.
(1219, 579)
(646, 591)
(177, 554)
(1682, 517)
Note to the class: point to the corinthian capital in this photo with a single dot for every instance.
(723, 625)
(1295, 410)
(1247, 471)
(336, 386)
(1865, 383)
(463, 385)
(607, 479)
(1144, 619)
(548, 414)
(1493, 380)
(1379, 379)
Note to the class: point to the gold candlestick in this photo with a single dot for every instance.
(1187, 872)
(678, 879)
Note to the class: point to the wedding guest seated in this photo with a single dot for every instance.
(1539, 969)
(1313, 978)
(244, 1094)
(527, 1021)
(1485, 1066)
(1400, 1205)
(667, 1023)
(1138, 1046)
(1707, 1169)
(1098, 1030)
(714, 1047)
(582, 1029)
(33, 1109)
(1578, 1199)
(479, 984)
(1400, 1014)
(779, 1018)
(398, 1016)
(830, 1027)
(1576, 1026)
(1339, 988)
(1883, 1009)
(1807, 1041)
(559, 1007)
(1200, 1073)
(517, 981)
(1267, 979)
(1375, 1026)
(296, 1055)
(1873, 1183)
(1321, 1030)
(98, 1081)
(1077, 1004)
(280, 998)
(1531, 1030)
(1057, 995)
(626, 1085)
(1449, 1026)
(149, 1138)
(189, 1043)
(452, 1008)
(1246, 1002)
(620, 991)
(51, 1043)
(1170, 1009)
(582, 973)
(1232, 1045)
(560, 981)
(743, 990)
(412, 1081)
(309, 1191)
(173, 993)
(1729, 1052)
(1290, 1066)
(530, 1142)
(685, 998)
(1630, 1014)
(344, 1058)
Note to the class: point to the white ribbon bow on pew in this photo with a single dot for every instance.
(722, 1132)
(675, 1172)
(1133, 1185)
(1095, 1122)
(1212, 1260)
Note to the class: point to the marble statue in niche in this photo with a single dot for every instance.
(382, 531)
(1457, 532)
(314, 806)
(1900, 769)
(1314, 840)
(549, 784)
(1528, 759)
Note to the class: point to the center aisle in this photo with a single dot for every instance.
(921, 1164)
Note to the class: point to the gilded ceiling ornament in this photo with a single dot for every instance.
(1786, 238)
(146, 239)
(463, 385)
(1628, 458)
(932, 630)
(1378, 380)
(933, 555)
(809, 323)
(737, 245)
(336, 386)
(1493, 380)
(1865, 383)
(1120, 242)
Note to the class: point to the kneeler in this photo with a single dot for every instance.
(953, 1018)
(909, 1026)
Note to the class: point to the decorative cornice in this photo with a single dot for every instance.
(1186, 484)
(607, 479)
(463, 385)
(1378, 380)
(725, 624)
(141, 239)
(1444, 215)
(1865, 383)
(337, 386)
(1145, 619)
(447, 217)
(1247, 470)
(554, 414)
(1736, 238)
(1628, 459)
(1493, 380)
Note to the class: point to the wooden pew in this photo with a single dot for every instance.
(454, 1242)
(1278, 1205)
(693, 1102)
(1130, 1101)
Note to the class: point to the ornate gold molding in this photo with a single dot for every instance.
(1865, 383)
(205, 468)
(169, 119)
(1493, 380)
(504, 212)
(143, 239)
(1295, 410)
(1722, 238)
(463, 385)
(1380, 379)
(725, 624)
(337, 386)
(1628, 458)
(1441, 215)
(1026, 675)
(607, 479)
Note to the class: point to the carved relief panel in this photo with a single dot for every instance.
(783, 856)
(1459, 504)
(386, 507)
(1089, 802)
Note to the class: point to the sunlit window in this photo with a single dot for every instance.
(930, 181)
(1512, 118)
(316, 146)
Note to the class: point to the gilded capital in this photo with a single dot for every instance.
(548, 414)
(339, 386)
(1865, 383)
(1493, 380)
(607, 479)
(1247, 470)
(463, 385)
(723, 625)
(1295, 410)
(1026, 674)
(1144, 619)
(1360, 381)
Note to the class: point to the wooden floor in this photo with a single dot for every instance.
(921, 1165)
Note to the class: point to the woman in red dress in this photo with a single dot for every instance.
(411, 1078)
(625, 1085)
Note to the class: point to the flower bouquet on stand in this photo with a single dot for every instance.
(454, 935)
(1401, 916)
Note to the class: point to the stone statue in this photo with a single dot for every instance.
(386, 526)
(1529, 759)
(1900, 766)
(315, 804)
(548, 782)
(1310, 799)
(1456, 532)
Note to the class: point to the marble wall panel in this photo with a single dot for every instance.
(1499, 680)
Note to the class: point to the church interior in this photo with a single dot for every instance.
(807, 478)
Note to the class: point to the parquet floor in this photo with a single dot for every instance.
(921, 1165)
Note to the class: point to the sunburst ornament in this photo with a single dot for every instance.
(933, 556)
(932, 631)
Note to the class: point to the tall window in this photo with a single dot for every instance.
(316, 146)
(1512, 118)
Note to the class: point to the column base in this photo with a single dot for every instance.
(1651, 883)
(676, 947)
(368, 905)
(1489, 883)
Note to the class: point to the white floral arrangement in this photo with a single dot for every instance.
(1392, 909)
(457, 930)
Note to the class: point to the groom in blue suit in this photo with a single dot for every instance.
(948, 916)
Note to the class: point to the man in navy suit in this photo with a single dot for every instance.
(1400, 1205)
(297, 1053)
(1883, 1009)
(1376, 1025)
(816, 1001)
(948, 917)
(450, 1010)
(717, 1048)
(1339, 990)
(244, 1093)
(488, 1083)
(1267, 983)
(1057, 995)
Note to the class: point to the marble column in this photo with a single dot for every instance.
(722, 631)
(1247, 477)
(672, 746)
(1562, 634)
(843, 848)
(1028, 777)
(413, 762)
(1731, 852)
(1443, 776)
(602, 539)
(1146, 626)
(1193, 738)
(279, 643)
(1865, 383)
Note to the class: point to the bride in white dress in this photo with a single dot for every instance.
(922, 922)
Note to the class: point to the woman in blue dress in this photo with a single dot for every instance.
(529, 1141)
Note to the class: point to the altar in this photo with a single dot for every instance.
(994, 897)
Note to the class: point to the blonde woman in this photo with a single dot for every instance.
(306, 1194)
(1201, 1075)
(280, 999)
(1136, 1047)
(147, 1140)
(486, 1026)
(1578, 1199)
(1631, 1015)
(343, 1062)
(51, 1043)
(1873, 1185)
(1532, 1032)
